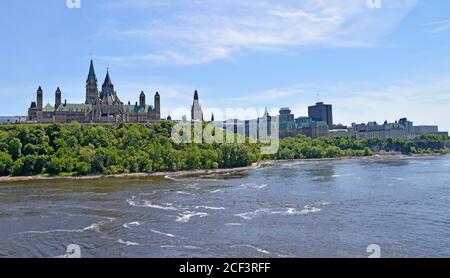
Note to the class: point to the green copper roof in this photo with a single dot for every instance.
(48, 108)
(137, 109)
(91, 69)
(68, 107)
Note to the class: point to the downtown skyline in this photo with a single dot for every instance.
(364, 61)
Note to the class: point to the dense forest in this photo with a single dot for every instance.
(75, 149)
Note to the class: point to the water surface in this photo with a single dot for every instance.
(298, 209)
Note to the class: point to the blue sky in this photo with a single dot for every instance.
(371, 64)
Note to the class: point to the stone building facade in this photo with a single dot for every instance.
(100, 106)
(196, 109)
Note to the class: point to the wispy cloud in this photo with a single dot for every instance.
(438, 26)
(197, 32)
(424, 101)
(265, 96)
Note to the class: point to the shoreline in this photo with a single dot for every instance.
(166, 175)
(173, 175)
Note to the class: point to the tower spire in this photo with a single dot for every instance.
(91, 69)
(107, 78)
(91, 86)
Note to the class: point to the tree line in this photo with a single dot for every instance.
(75, 149)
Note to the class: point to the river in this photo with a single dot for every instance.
(296, 209)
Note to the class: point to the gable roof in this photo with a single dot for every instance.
(48, 108)
(137, 108)
(71, 107)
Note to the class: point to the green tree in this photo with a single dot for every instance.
(6, 163)
(55, 166)
(15, 148)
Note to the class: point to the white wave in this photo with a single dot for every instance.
(252, 186)
(127, 243)
(210, 208)
(80, 215)
(233, 224)
(172, 178)
(341, 175)
(260, 250)
(309, 209)
(289, 211)
(52, 231)
(93, 227)
(132, 224)
(183, 193)
(148, 204)
(250, 215)
(185, 217)
(190, 247)
(216, 191)
(291, 164)
(161, 233)
(168, 246)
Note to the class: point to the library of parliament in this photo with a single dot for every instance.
(99, 107)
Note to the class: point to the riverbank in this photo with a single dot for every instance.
(134, 175)
(173, 175)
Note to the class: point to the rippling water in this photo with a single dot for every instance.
(298, 209)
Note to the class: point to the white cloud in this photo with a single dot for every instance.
(266, 96)
(196, 32)
(422, 101)
(438, 26)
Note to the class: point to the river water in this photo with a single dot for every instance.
(298, 209)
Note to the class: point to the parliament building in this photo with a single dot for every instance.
(100, 106)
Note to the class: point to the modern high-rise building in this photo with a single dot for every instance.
(321, 113)
(286, 119)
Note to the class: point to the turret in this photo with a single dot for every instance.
(195, 95)
(108, 95)
(91, 86)
(157, 106)
(57, 98)
(196, 110)
(142, 100)
(39, 103)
